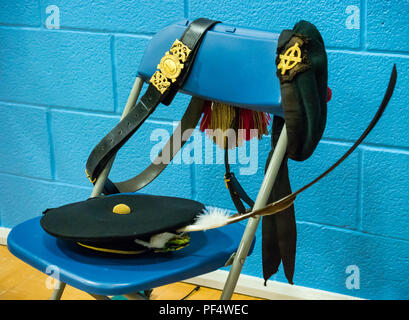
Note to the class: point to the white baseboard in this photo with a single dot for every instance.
(249, 285)
(4, 232)
(253, 286)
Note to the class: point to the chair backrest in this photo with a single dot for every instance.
(233, 65)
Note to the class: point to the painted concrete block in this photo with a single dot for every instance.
(358, 82)
(334, 199)
(20, 12)
(385, 196)
(24, 142)
(28, 198)
(334, 20)
(56, 68)
(388, 25)
(142, 16)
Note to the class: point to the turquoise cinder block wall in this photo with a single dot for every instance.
(66, 68)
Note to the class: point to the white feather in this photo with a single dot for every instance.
(210, 218)
(157, 241)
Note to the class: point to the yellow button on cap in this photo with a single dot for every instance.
(121, 209)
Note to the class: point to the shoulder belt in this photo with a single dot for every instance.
(163, 86)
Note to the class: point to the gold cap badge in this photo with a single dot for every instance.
(290, 58)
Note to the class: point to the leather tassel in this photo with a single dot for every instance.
(246, 124)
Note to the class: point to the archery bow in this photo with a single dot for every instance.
(287, 201)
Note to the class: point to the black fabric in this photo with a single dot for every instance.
(110, 247)
(304, 103)
(93, 220)
(304, 89)
(279, 231)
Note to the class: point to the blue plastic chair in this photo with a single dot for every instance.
(243, 60)
(100, 274)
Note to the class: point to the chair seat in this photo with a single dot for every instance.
(103, 274)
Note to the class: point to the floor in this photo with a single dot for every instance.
(19, 281)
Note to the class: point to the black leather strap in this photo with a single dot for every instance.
(121, 133)
(186, 126)
(236, 191)
(192, 38)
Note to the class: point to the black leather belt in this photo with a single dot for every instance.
(236, 191)
(188, 122)
(173, 70)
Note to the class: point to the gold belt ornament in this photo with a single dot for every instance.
(170, 66)
(89, 177)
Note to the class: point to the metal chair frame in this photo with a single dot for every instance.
(251, 227)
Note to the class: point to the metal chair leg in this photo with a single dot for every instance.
(136, 296)
(98, 296)
(252, 224)
(58, 291)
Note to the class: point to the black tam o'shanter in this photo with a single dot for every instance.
(302, 69)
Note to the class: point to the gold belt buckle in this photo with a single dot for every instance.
(226, 180)
(89, 177)
(170, 66)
